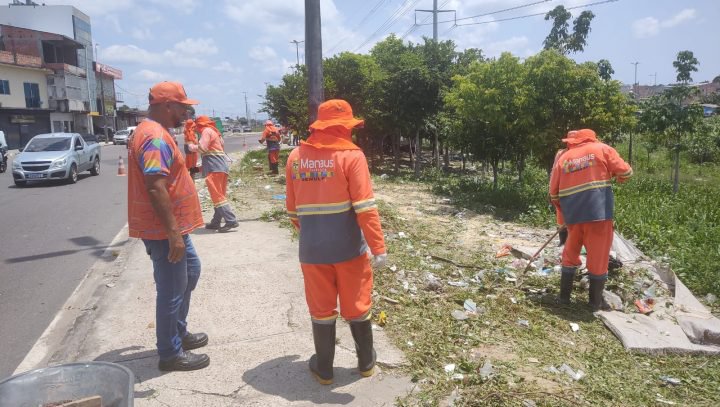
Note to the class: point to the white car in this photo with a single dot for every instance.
(121, 136)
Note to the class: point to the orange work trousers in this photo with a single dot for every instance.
(191, 160)
(351, 280)
(597, 238)
(217, 186)
(273, 156)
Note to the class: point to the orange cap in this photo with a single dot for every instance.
(336, 112)
(269, 123)
(165, 92)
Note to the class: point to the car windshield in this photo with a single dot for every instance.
(48, 144)
(122, 133)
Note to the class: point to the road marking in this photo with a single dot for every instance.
(71, 309)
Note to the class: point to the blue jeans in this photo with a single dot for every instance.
(174, 282)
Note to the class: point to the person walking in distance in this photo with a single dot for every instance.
(581, 188)
(190, 137)
(215, 168)
(271, 138)
(329, 199)
(163, 208)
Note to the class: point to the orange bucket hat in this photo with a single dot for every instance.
(336, 112)
(579, 136)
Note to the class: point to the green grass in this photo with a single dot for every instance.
(422, 326)
(684, 228)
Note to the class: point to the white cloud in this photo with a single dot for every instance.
(196, 46)
(94, 8)
(650, 26)
(136, 55)
(226, 66)
(515, 45)
(646, 27)
(679, 18)
(184, 6)
(262, 53)
(141, 34)
(151, 76)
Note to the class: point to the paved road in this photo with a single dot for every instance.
(50, 235)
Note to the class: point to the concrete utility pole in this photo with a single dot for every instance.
(313, 55)
(247, 112)
(655, 80)
(435, 13)
(102, 95)
(635, 83)
(297, 50)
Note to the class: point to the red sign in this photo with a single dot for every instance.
(108, 70)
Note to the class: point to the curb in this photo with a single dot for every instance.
(78, 304)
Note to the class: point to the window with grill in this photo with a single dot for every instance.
(4, 87)
(32, 95)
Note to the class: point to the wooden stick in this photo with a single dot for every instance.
(541, 249)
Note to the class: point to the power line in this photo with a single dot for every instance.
(494, 12)
(538, 14)
(367, 16)
(399, 13)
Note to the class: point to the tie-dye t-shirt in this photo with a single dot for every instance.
(152, 151)
(156, 158)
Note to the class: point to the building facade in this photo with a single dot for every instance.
(72, 90)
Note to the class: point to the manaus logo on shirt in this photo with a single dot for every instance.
(578, 164)
(306, 169)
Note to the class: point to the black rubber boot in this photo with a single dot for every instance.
(597, 302)
(363, 336)
(562, 236)
(321, 363)
(274, 169)
(567, 277)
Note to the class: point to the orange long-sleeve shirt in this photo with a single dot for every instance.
(330, 199)
(580, 182)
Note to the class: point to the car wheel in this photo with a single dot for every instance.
(20, 183)
(95, 170)
(73, 178)
(3, 166)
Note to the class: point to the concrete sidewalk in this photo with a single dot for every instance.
(250, 301)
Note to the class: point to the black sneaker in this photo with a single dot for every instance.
(194, 341)
(226, 227)
(212, 226)
(185, 361)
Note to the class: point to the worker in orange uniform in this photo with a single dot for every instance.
(581, 187)
(271, 138)
(563, 233)
(215, 169)
(330, 201)
(190, 139)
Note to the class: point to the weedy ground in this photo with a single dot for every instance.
(518, 331)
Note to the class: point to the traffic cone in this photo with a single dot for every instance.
(121, 167)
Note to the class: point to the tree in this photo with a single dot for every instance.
(684, 65)
(287, 102)
(565, 95)
(560, 38)
(490, 102)
(605, 69)
(668, 119)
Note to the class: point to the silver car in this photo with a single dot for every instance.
(56, 156)
(121, 137)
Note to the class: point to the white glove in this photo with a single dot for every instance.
(379, 261)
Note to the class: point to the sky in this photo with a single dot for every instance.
(222, 50)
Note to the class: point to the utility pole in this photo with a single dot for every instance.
(635, 92)
(313, 55)
(297, 50)
(247, 113)
(635, 83)
(655, 80)
(435, 13)
(102, 94)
